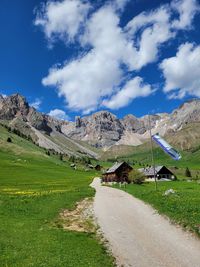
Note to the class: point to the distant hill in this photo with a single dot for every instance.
(88, 135)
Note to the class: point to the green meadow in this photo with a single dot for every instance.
(34, 188)
(182, 207)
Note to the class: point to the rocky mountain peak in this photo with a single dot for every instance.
(131, 123)
(188, 112)
(101, 117)
(13, 105)
(99, 129)
(104, 114)
(189, 103)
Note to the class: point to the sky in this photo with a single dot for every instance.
(76, 57)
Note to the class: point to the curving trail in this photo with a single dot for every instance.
(138, 236)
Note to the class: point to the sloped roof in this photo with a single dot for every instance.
(114, 167)
(149, 171)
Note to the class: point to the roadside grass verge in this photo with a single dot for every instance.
(182, 207)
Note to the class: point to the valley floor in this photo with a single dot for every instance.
(140, 237)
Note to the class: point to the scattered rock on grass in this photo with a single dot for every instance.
(169, 192)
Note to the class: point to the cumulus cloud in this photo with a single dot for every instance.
(59, 114)
(155, 31)
(182, 72)
(186, 10)
(120, 4)
(85, 81)
(36, 104)
(62, 19)
(144, 19)
(97, 76)
(132, 89)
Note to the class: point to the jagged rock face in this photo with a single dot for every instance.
(38, 121)
(12, 106)
(133, 124)
(187, 113)
(100, 129)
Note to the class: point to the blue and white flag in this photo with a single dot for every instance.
(166, 147)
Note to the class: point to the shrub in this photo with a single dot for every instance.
(136, 177)
(188, 172)
(61, 157)
(9, 140)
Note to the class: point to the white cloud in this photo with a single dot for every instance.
(132, 89)
(62, 19)
(36, 104)
(182, 72)
(155, 31)
(144, 19)
(97, 76)
(59, 114)
(187, 9)
(120, 4)
(85, 81)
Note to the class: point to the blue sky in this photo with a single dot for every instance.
(74, 57)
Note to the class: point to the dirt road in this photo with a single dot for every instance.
(138, 236)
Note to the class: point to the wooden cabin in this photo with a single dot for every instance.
(117, 173)
(161, 172)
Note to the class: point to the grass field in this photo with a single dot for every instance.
(34, 188)
(182, 207)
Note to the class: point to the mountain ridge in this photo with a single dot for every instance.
(101, 129)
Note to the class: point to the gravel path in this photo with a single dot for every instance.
(138, 236)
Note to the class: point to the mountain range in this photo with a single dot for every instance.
(101, 130)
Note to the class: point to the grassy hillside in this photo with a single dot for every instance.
(34, 188)
(141, 155)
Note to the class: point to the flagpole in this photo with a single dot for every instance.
(152, 155)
